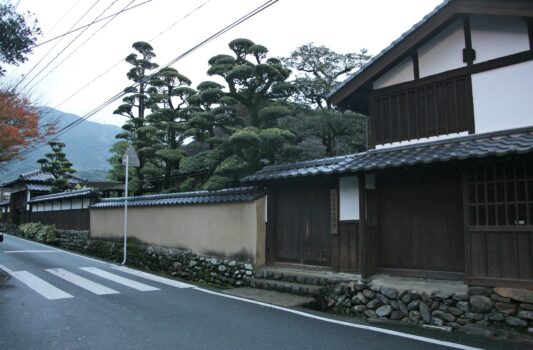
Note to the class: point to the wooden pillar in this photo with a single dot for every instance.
(271, 220)
(365, 244)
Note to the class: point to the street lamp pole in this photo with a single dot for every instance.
(126, 210)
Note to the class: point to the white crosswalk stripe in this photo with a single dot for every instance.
(119, 279)
(151, 277)
(40, 286)
(82, 282)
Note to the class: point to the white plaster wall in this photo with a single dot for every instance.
(48, 206)
(349, 198)
(422, 140)
(443, 52)
(400, 73)
(76, 204)
(503, 97)
(498, 36)
(65, 204)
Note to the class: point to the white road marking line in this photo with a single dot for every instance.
(58, 250)
(152, 277)
(82, 282)
(30, 251)
(119, 279)
(344, 323)
(42, 287)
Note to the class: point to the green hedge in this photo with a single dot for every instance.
(39, 232)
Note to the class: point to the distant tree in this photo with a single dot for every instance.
(18, 35)
(19, 125)
(319, 70)
(136, 103)
(57, 164)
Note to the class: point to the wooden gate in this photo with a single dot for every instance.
(421, 222)
(498, 197)
(302, 223)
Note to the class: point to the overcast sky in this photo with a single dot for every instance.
(342, 25)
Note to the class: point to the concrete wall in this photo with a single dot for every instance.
(227, 229)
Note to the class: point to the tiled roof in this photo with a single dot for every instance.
(4, 203)
(500, 143)
(84, 192)
(38, 187)
(241, 194)
(105, 185)
(388, 48)
(38, 175)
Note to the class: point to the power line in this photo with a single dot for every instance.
(122, 60)
(53, 47)
(63, 17)
(90, 24)
(68, 45)
(79, 46)
(114, 98)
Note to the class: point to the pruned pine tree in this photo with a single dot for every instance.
(169, 99)
(135, 105)
(57, 164)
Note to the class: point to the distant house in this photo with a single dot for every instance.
(446, 188)
(36, 183)
(26, 186)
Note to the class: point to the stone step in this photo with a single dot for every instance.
(317, 278)
(287, 287)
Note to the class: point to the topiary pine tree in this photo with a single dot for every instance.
(169, 95)
(254, 80)
(57, 164)
(136, 130)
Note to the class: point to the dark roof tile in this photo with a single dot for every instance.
(499, 143)
(84, 192)
(241, 194)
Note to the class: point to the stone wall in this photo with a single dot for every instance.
(505, 308)
(175, 262)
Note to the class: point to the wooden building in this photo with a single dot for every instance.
(26, 186)
(446, 188)
(67, 210)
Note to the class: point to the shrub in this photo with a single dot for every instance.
(40, 232)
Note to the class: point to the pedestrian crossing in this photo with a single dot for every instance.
(74, 277)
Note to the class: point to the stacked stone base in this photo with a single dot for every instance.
(175, 262)
(505, 308)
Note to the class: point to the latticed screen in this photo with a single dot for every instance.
(501, 194)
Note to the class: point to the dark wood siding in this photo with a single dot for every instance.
(346, 246)
(421, 110)
(499, 200)
(302, 223)
(421, 220)
(76, 219)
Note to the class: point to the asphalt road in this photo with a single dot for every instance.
(60, 300)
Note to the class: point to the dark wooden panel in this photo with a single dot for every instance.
(77, 219)
(435, 108)
(302, 222)
(420, 219)
(348, 246)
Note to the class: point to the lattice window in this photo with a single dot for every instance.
(501, 194)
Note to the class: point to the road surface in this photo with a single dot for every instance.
(61, 300)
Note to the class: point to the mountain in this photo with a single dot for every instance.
(87, 147)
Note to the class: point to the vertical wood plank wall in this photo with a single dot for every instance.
(76, 219)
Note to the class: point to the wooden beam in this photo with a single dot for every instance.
(469, 54)
(416, 67)
(529, 22)
(365, 243)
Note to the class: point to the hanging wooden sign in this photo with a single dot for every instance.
(334, 209)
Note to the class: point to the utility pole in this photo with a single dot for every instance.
(130, 158)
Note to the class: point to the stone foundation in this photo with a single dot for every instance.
(505, 308)
(175, 262)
